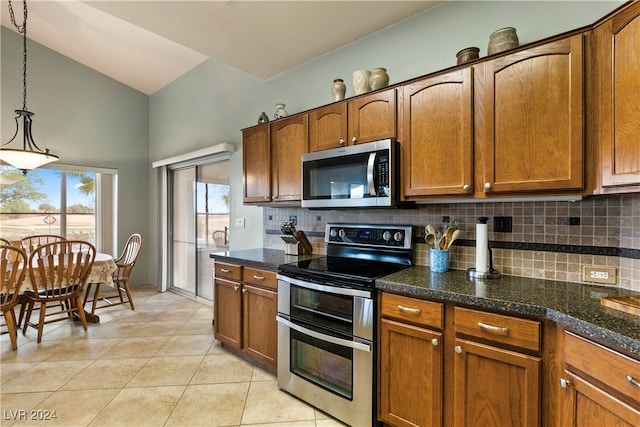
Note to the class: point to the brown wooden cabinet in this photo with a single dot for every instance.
(289, 141)
(364, 119)
(437, 135)
(410, 383)
(616, 72)
(598, 386)
(256, 164)
(529, 120)
(245, 307)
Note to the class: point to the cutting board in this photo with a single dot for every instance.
(628, 304)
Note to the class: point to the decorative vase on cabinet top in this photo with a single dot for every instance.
(361, 81)
(338, 89)
(502, 39)
(280, 111)
(379, 78)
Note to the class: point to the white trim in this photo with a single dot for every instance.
(80, 168)
(203, 152)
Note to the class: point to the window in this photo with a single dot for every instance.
(69, 201)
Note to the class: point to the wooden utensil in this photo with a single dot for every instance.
(453, 238)
(430, 238)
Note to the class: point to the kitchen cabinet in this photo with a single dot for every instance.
(410, 391)
(599, 387)
(256, 164)
(245, 308)
(289, 141)
(437, 135)
(616, 70)
(529, 120)
(364, 119)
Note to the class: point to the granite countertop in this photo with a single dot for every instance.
(574, 305)
(268, 259)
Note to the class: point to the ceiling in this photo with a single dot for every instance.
(147, 44)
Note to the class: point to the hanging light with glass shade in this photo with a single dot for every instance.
(30, 156)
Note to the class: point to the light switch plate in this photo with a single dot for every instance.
(597, 274)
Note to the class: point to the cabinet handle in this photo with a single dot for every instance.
(487, 186)
(434, 341)
(564, 383)
(408, 309)
(266, 197)
(258, 277)
(491, 328)
(244, 290)
(354, 140)
(466, 187)
(235, 288)
(224, 270)
(458, 349)
(342, 142)
(632, 380)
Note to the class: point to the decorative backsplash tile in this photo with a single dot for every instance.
(549, 240)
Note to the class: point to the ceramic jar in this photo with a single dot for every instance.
(361, 81)
(502, 39)
(379, 78)
(468, 54)
(280, 111)
(338, 89)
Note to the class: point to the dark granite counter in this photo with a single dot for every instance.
(268, 259)
(574, 305)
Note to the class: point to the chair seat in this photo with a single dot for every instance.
(64, 291)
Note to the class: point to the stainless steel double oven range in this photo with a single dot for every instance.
(326, 318)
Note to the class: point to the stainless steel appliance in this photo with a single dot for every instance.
(326, 318)
(363, 175)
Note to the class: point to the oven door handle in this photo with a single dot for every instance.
(338, 341)
(325, 288)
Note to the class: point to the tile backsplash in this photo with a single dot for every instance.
(549, 239)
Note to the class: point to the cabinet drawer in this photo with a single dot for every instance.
(509, 330)
(227, 271)
(259, 277)
(421, 312)
(604, 365)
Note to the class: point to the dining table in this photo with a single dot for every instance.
(101, 272)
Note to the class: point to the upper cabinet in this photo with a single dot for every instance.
(367, 118)
(256, 164)
(529, 120)
(616, 66)
(436, 117)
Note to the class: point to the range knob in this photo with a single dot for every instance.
(386, 236)
(333, 232)
(342, 233)
(398, 236)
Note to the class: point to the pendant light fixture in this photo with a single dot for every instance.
(30, 156)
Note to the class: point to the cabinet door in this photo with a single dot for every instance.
(410, 375)
(495, 387)
(619, 61)
(372, 117)
(584, 404)
(328, 127)
(289, 141)
(437, 145)
(529, 120)
(259, 323)
(227, 310)
(256, 164)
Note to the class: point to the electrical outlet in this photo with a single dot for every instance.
(239, 222)
(503, 224)
(293, 219)
(596, 274)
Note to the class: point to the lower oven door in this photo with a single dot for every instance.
(331, 372)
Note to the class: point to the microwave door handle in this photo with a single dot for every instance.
(370, 166)
(338, 341)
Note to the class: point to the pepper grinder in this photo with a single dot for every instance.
(484, 256)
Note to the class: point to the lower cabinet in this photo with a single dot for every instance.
(600, 387)
(245, 308)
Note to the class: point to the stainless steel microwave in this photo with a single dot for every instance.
(363, 175)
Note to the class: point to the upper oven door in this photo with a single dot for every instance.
(355, 176)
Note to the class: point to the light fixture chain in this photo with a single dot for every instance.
(22, 29)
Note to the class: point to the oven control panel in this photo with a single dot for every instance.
(391, 235)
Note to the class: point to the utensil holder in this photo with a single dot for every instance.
(439, 260)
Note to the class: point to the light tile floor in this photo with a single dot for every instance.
(156, 366)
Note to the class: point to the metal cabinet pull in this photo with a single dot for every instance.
(632, 380)
(408, 309)
(342, 142)
(224, 270)
(458, 349)
(354, 140)
(244, 290)
(434, 341)
(466, 187)
(235, 288)
(487, 186)
(258, 277)
(564, 383)
(491, 328)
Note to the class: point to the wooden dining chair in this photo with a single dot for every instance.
(58, 272)
(125, 263)
(5, 242)
(12, 271)
(31, 242)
